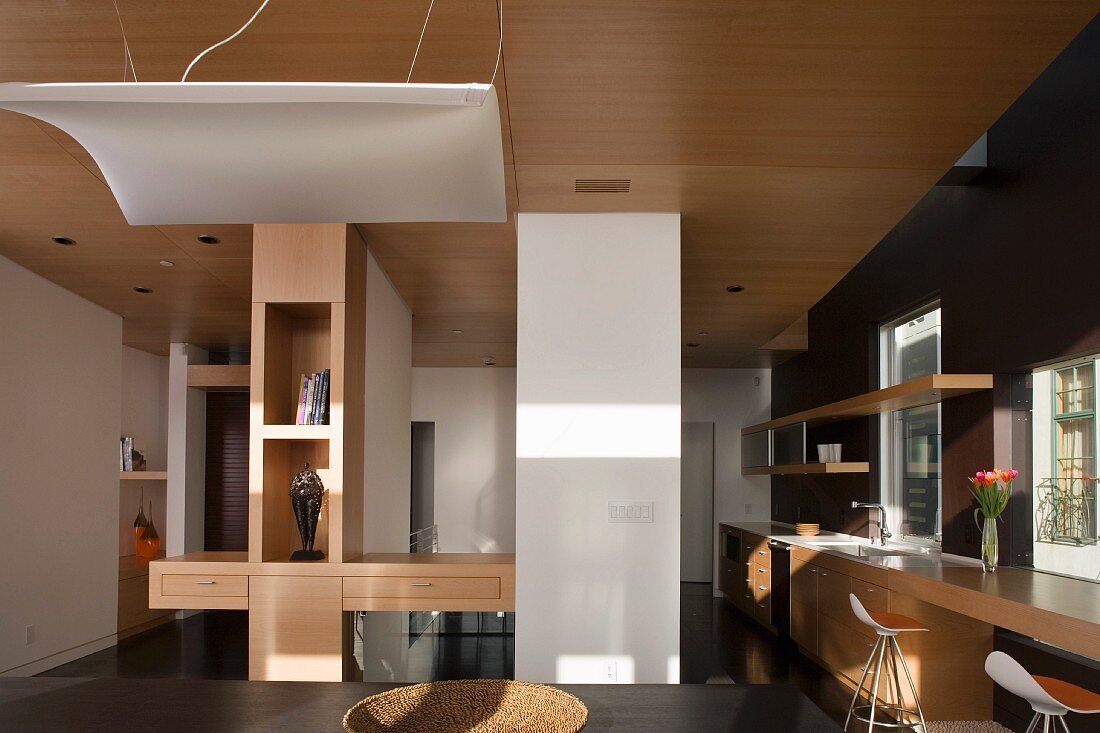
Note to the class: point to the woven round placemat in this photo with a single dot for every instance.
(468, 706)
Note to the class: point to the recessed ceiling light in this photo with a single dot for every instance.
(735, 288)
(208, 239)
(693, 345)
(456, 331)
(167, 263)
(65, 241)
(142, 290)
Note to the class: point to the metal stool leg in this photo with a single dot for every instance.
(899, 697)
(1033, 724)
(913, 687)
(874, 688)
(1062, 720)
(862, 679)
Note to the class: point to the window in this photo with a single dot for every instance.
(911, 484)
(1064, 462)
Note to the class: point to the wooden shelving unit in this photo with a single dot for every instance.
(918, 392)
(143, 475)
(308, 314)
(807, 468)
(914, 393)
(218, 377)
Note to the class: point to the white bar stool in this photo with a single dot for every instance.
(887, 626)
(1051, 699)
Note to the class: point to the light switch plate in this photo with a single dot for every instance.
(629, 511)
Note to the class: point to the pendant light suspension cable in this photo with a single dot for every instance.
(422, 31)
(225, 41)
(500, 44)
(126, 57)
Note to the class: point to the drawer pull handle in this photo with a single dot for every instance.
(421, 585)
(870, 590)
(812, 570)
(762, 587)
(761, 570)
(204, 582)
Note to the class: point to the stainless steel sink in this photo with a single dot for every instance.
(857, 550)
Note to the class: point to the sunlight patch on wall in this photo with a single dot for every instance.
(597, 431)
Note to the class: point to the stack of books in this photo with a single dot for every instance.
(313, 399)
(129, 457)
(126, 454)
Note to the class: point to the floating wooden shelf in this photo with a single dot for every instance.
(799, 468)
(297, 432)
(915, 393)
(218, 377)
(143, 475)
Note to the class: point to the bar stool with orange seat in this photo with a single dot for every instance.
(1048, 697)
(887, 626)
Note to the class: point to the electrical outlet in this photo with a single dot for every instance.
(611, 671)
(30, 635)
(748, 508)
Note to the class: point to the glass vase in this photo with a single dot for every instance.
(990, 549)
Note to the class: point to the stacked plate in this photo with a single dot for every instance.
(806, 529)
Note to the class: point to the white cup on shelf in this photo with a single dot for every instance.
(824, 452)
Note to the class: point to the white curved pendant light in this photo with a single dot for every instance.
(229, 153)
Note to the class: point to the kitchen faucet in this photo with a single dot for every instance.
(883, 529)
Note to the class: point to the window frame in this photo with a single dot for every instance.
(1093, 363)
(890, 446)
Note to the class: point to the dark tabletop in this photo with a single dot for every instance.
(211, 706)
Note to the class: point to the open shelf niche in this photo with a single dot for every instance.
(308, 314)
(756, 440)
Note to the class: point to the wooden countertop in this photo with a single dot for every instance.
(1057, 610)
(435, 563)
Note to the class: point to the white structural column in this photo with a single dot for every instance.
(598, 421)
(186, 455)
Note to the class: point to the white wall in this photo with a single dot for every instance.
(598, 419)
(388, 415)
(186, 454)
(62, 359)
(145, 417)
(474, 411)
(731, 399)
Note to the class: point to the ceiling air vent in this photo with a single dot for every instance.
(602, 185)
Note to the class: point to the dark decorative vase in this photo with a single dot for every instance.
(306, 495)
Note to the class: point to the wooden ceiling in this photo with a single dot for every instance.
(792, 136)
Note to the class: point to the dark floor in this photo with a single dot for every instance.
(718, 644)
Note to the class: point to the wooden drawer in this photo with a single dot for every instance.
(804, 584)
(746, 599)
(133, 603)
(204, 585)
(762, 574)
(832, 595)
(761, 555)
(388, 586)
(873, 597)
(804, 626)
(762, 609)
(728, 576)
(843, 649)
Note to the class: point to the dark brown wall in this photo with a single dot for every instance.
(1014, 258)
(227, 471)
